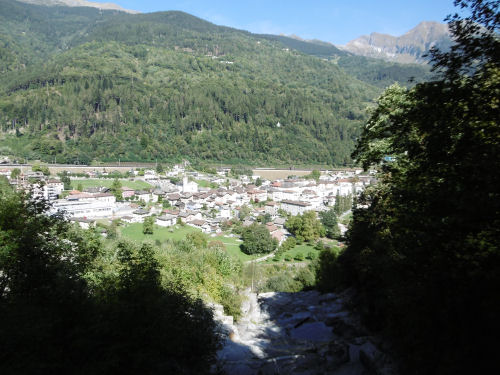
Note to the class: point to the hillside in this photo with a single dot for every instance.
(84, 84)
(373, 71)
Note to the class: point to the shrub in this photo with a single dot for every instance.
(299, 257)
(311, 255)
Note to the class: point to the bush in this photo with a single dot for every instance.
(257, 240)
(299, 257)
(282, 283)
(306, 277)
(231, 300)
(311, 255)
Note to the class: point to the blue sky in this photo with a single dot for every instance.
(336, 21)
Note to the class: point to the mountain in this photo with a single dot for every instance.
(407, 48)
(85, 84)
(79, 3)
(373, 71)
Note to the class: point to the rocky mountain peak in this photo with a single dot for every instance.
(407, 48)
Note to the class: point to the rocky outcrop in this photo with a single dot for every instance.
(298, 333)
(407, 48)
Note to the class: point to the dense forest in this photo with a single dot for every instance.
(423, 248)
(79, 84)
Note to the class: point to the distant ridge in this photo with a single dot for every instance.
(407, 48)
(80, 3)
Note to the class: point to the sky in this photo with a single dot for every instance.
(335, 21)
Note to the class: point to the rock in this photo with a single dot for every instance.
(293, 333)
(317, 331)
(342, 328)
(328, 298)
(234, 352)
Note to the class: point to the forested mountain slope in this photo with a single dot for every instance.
(370, 70)
(83, 84)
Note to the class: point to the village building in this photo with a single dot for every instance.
(272, 208)
(166, 220)
(295, 207)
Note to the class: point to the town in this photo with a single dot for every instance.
(181, 196)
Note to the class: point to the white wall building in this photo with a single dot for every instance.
(295, 207)
(189, 186)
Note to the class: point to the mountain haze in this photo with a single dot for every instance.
(407, 48)
(79, 3)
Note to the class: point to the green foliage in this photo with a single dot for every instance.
(282, 283)
(112, 230)
(41, 168)
(62, 286)
(329, 221)
(148, 225)
(119, 86)
(237, 171)
(373, 71)
(305, 227)
(198, 239)
(288, 244)
(286, 278)
(343, 203)
(266, 218)
(116, 189)
(231, 302)
(299, 257)
(244, 212)
(65, 180)
(314, 175)
(423, 250)
(15, 173)
(257, 240)
(311, 255)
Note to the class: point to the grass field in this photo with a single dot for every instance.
(87, 183)
(304, 249)
(207, 184)
(233, 248)
(134, 232)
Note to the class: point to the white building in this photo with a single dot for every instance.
(52, 189)
(295, 207)
(189, 186)
(272, 208)
(83, 208)
(166, 220)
